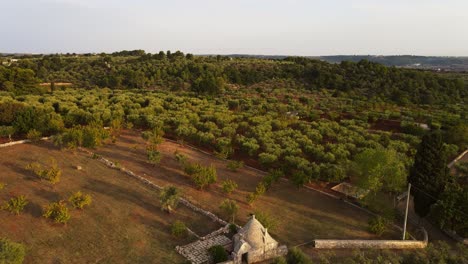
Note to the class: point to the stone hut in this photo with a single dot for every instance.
(253, 244)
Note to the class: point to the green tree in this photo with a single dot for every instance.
(429, 173)
(169, 198)
(229, 186)
(451, 208)
(230, 208)
(380, 168)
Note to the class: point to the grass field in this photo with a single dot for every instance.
(124, 224)
(301, 214)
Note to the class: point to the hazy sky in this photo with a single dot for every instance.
(293, 27)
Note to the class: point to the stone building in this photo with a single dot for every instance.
(253, 244)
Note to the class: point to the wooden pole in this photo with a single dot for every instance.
(406, 212)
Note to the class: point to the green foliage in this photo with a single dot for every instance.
(230, 208)
(280, 260)
(267, 220)
(91, 136)
(380, 168)
(153, 155)
(378, 225)
(218, 254)
(11, 252)
(169, 198)
(2, 185)
(449, 211)
(429, 173)
(234, 165)
(50, 173)
(202, 176)
(34, 135)
(296, 256)
(16, 204)
(251, 198)
(79, 200)
(57, 211)
(178, 229)
(229, 186)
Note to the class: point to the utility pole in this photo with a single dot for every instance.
(406, 213)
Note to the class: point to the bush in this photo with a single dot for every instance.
(153, 155)
(16, 204)
(178, 229)
(2, 185)
(203, 176)
(234, 165)
(79, 200)
(11, 252)
(280, 260)
(296, 256)
(169, 198)
(251, 198)
(58, 212)
(229, 186)
(218, 253)
(51, 174)
(378, 225)
(34, 135)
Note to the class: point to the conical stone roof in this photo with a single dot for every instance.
(255, 234)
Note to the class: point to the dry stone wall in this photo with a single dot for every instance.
(375, 244)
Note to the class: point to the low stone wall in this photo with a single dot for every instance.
(254, 257)
(9, 144)
(377, 244)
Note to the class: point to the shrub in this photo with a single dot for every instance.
(296, 256)
(378, 225)
(16, 204)
(204, 176)
(260, 189)
(51, 174)
(251, 198)
(2, 185)
(11, 252)
(169, 198)
(153, 155)
(34, 135)
(229, 186)
(280, 260)
(57, 211)
(178, 229)
(234, 165)
(218, 253)
(181, 158)
(79, 200)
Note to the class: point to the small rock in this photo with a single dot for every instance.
(79, 168)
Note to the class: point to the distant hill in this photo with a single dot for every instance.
(408, 61)
(405, 61)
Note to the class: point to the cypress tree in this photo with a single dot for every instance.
(429, 173)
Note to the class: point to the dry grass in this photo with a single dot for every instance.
(302, 215)
(124, 224)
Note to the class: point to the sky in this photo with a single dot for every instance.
(268, 27)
